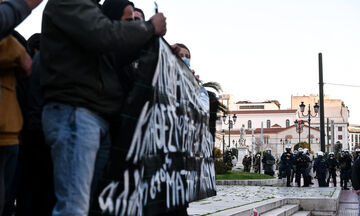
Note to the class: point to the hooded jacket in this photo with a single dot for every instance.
(75, 35)
(12, 54)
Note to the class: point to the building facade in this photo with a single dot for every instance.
(354, 137)
(334, 110)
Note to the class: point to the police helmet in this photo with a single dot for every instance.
(357, 150)
(300, 150)
(331, 154)
(295, 151)
(320, 153)
(306, 150)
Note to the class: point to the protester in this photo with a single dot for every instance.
(355, 179)
(13, 12)
(320, 167)
(82, 92)
(12, 57)
(139, 14)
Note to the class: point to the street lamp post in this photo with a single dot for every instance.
(223, 134)
(309, 115)
(299, 126)
(230, 122)
(283, 142)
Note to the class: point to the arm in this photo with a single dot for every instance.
(84, 22)
(12, 13)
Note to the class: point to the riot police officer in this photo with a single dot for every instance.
(247, 163)
(257, 163)
(320, 167)
(345, 169)
(333, 165)
(309, 165)
(268, 162)
(286, 165)
(301, 162)
(357, 153)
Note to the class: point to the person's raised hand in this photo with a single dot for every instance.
(176, 49)
(159, 22)
(33, 3)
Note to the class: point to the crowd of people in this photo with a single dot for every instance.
(300, 165)
(60, 92)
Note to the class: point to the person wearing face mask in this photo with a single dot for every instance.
(333, 165)
(184, 53)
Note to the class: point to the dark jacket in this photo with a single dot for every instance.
(355, 175)
(75, 35)
(320, 165)
(35, 96)
(11, 14)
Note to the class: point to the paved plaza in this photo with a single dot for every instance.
(229, 197)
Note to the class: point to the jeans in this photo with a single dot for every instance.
(359, 206)
(79, 141)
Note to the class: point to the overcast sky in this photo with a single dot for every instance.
(264, 49)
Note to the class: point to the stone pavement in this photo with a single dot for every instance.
(235, 196)
(348, 203)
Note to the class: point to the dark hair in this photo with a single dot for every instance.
(140, 11)
(114, 9)
(34, 43)
(183, 46)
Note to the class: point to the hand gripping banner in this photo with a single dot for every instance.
(162, 150)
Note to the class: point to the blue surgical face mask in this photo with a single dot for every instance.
(186, 60)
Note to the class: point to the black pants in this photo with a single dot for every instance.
(299, 173)
(36, 191)
(332, 174)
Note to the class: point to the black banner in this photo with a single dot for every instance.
(162, 151)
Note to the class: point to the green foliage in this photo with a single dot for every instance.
(301, 145)
(236, 175)
(217, 153)
(221, 167)
(214, 85)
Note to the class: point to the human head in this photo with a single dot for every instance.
(346, 151)
(320, 154)
(139, 14)
(300, 150)
(184, 53)
(295, 152)
(34, 43)
(331, 154)
(119, 10)
(268, 151)
(288, 149)
(357, 151)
